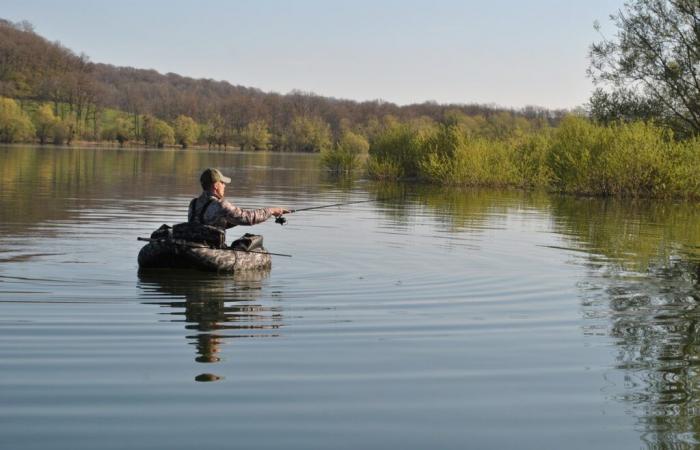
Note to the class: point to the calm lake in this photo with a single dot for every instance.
(426, 319)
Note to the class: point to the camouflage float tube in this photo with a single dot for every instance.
(200, 247)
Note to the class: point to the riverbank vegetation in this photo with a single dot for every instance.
(578, 156)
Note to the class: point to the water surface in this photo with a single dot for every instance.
(427, 318)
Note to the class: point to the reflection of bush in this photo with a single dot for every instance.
(635, 235)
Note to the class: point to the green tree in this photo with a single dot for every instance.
(186, 131)
(216, 132)
(64, 130)
(308, 134)
(653, 59)
(255, 136)
(44, 122)
(15, 125)
(121, 131)
(156, 132)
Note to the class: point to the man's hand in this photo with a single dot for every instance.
(279, 211)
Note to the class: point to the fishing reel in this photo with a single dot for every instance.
(280, 220)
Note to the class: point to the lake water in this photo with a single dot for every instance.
(426, 319)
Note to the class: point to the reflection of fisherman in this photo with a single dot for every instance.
(210, 208)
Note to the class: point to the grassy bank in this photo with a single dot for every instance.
(629, 159)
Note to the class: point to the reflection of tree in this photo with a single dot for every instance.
(633, 234)
(644, 292)
(45, 184)
(215, 307)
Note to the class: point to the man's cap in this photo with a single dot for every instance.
(211, 176)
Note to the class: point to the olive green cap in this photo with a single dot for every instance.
(211, 176)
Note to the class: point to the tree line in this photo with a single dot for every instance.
(92, 101)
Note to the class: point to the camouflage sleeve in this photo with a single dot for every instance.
(237, 216)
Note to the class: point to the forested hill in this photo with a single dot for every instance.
(33, 68)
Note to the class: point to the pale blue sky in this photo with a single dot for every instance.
(507, 52)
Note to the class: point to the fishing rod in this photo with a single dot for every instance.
(282, 220)
(195, 245)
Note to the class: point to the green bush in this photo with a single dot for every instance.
(631, 162)
(680, 169)
(576, 144)
(185, 131)
(383, 170)
(404, 145)
(529, 159)
(44, 122)
(307, 134)
(473, 162)
(344, 157)
(15, 125)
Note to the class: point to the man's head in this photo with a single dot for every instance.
(214, 181)
(209, 178)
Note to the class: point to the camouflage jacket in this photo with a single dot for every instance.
(223, 214)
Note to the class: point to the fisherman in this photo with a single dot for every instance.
(210, 208)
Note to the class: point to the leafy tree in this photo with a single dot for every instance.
(156, 132)
(15, 125)
(255, 136)
(308, 134)
(654, 59)
(121, 131)
(622, 105)
(44, 122)
(64, 130)
(186, 131)
(216, 132)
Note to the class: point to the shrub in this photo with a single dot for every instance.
(15, 125)
(404, 146)
(529, 159)
(575, 146)
(308, 134)
(44, 122)
(185, 131)
(631, 161)
(345, 155)
(255, 136)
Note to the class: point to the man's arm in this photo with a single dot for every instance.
(237, 216)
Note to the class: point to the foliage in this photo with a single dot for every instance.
(44, 122)
(254, 136)
(455, 159)
(652, 61)
(622, 105)
(186, 131)
(529, 159)
(156, 132)
(308, 134)
(216, 133)
(635, 159)
(345, 155)
(628, 159)
(121, 130)
(403, 145)
(15, 125)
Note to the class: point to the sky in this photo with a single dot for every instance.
(509, 53)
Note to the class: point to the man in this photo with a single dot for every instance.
(210, 208)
